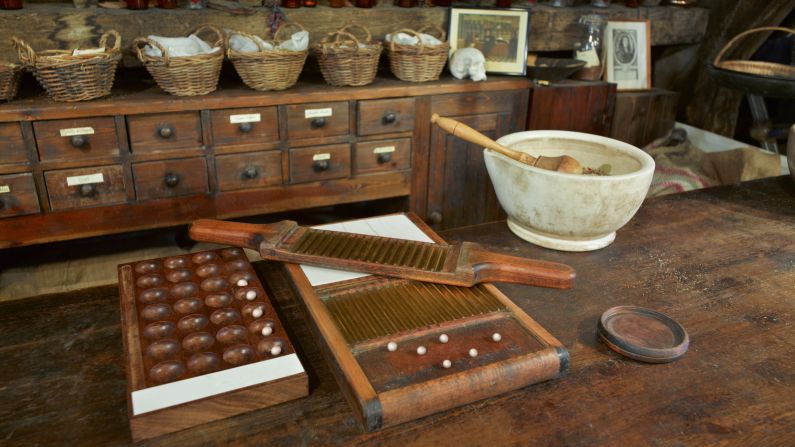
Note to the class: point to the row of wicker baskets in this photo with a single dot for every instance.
(347, 57)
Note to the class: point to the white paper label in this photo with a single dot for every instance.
(247, 118)
(77, 131)
(88, 52)
(384, 150)
(85, 179)
(4, 189)
(317, 113)
(318, 157)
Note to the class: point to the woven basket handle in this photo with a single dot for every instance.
(437, 28)
(368, 37)
(143, 40)
(340, 42)
(286, 26)
(218, 42)
(720, 55)
(420, 45)
(103, 41)
(25, 53)
(244, 34)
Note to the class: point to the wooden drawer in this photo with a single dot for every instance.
(12, 146)
(251, 170)
(317, 120)
(164, 131)
(386, 116)
(170, 178)
(245, 126)
(83, 187)
(385, 155)
(18, 195)
(311, 164)
(78, 138)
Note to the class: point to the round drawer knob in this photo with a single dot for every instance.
(88, 190)
(384, 158)
(245, 127)
(172, 179)
(317, 123)
(321, 165)
(389, 118)
(165, 131)
(78, 141)
(250, 173)
(435, 218)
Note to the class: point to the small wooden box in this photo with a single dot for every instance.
(401, 350)
(195, 348)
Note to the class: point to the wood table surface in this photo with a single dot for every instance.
(720, 261)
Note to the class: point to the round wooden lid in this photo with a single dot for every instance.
(643, 334)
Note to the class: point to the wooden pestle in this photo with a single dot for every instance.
(562, 163)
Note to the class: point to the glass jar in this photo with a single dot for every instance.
(591, 48)
(10, 4)
(310, 3)
(137, 4)
(365, 3)
(561, 3)
(336, 3)
(167, 4)
(600, 3)
(291, 3)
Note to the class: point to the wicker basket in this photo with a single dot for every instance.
(418, 63)
(758, 68)
(9, 81)
(343, 62)
(265, 69)
(186, 75)
(69, 77)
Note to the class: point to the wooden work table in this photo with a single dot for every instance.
(720, 261)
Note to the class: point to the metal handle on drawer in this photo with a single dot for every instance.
(172, 179)
(389, 118)
(165, 131)
(385, 157)
(88, 190)
(321, 165)
(435, 218)
(317, 123)
(245, 127)
(78, 141)
(251, 173)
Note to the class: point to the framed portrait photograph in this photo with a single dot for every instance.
(500, 34)
(628, 54)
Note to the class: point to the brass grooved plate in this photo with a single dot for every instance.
(385, 309)
(373, 249)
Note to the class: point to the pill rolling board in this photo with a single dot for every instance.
(202, 342)
(403, 349)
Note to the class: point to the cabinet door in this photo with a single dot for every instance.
(573, 105)
(459, 189)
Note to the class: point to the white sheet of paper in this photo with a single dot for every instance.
(394, 225)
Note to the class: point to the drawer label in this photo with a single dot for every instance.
(77, 131)
(319, 157)
(4, 189)
(247, 118)
(317, 113)
(85, 179)
(384, 150)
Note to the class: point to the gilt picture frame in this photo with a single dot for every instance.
(500, 34)
(628, 54)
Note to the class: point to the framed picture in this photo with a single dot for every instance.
(628, 54)
(500, 34)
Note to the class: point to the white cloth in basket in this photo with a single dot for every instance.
(299, 41)
(408, 39)
(179, 46)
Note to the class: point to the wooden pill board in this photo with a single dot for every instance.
(194, 347)
(357, 317)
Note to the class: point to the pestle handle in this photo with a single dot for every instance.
(461, 130)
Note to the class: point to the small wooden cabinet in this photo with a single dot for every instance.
(578, 106)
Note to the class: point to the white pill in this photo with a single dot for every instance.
(251, 295)
(421, 350)
(276, 350)
(496, 336)
(473, 352)
(242, 283)
(267, 330)
(446, 364)
(444, 338)
(256, 313)
(391, 346)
